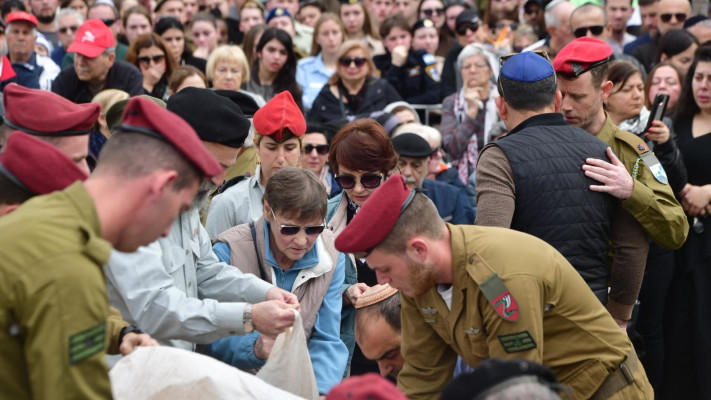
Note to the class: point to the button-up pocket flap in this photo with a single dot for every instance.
(173, 259)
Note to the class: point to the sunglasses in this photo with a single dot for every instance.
(462, 28)
(596, 30)
(321, 149)
(108, 22)
(429, 12)
(146, 60)
(512, 25)
(346, 61)
(369, 181)
(680, 17)
(65, 29)
(291, 230)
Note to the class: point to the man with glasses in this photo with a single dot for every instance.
(68, 22)
(672, 14)
(95, 66)
(413, 153)
(483, 292)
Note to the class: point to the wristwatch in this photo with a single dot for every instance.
(127, 330)
(247, 319)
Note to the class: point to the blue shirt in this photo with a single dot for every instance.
(328, 353)
(312, 75)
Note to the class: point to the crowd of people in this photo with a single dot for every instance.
(507, 199)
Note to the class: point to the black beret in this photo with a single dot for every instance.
(494, 375)
(411, 145)
(467, 16)
(422, 23)
(215, 118)
(245, 102)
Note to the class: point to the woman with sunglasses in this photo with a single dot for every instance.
(288, 246)
(149, 53)
(357, 22)
(353, 90)
(315, 158)
(413, 73)
(361, 156)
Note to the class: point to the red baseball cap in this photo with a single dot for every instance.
(92, 39)
(21, 16)
(59, 116)
(144, 116)
(281, 112)
(376, 218)
(36, 165)
(370, 386)
(581, 55)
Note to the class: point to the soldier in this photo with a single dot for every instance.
(53, 293)
(637, 178)
(482, 292)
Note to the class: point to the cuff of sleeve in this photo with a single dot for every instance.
(250, 357)
(638, 202)
(619, 310)
(229, 318)
(665, 148)
(258, 288)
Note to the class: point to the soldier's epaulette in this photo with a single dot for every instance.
(493, 288)
(232, 182)
(633, 141)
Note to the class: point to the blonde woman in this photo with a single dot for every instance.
(227, 69)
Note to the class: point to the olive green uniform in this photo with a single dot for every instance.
(550, 316)
(53, 303)
(652, 203)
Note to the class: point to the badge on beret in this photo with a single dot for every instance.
(428, 23)
(279, 12)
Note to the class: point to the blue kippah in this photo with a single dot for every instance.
(526, 67)
(277, 12)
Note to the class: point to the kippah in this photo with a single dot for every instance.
(526, 67)
(375, 294)
(277, 12)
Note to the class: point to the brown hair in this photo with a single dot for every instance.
(182, 73)
(394, 21)
(146, 41)
(419, 218)
(650, 77)
(327, 16)
(297, 194)
(368, 27)
(346, 47)
(137, 10)
(250, 42)
(362, 145)
(620, 72)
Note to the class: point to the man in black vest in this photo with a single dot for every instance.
(532, 181)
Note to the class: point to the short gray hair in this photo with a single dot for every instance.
(34, 30)
(68, 11)
(525, 391)
(550, 16)
(475, 49)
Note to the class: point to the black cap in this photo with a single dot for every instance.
(349, 1)
(691, 21)
(215, 118)
(422, 23)
(467, 16)
(411, 145)
(245, 102)
(494, 375)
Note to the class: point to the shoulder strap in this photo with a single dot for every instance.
(232, 182)
(262, 274)
(633, 141)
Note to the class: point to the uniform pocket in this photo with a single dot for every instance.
(173, 262)
(585, 378)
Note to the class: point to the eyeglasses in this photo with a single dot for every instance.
(429, 12)
(596, 30)
(680, 17)
(369, 181)
(463, 27)
(108, 22)
(146, 60)
(321, 149)
(512, 25)
(346, 61)
(291, 230)
(65, 29)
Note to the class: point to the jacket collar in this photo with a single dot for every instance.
(547, 119)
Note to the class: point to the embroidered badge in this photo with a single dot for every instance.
(641, 147)
(86, 343)
(515, 342)
(472, 331)
(429, 314)
(506, 306)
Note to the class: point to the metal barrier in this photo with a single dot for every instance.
(427, 108)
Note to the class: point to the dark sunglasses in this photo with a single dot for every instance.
(346, 61)
(321, 149)
(680, 17)
(369, 181)
(65, 29)
(596, 30)
(291, 230)
(429, 12)
(462, 28)
(108, 22)
(512, 25)
(145, 60)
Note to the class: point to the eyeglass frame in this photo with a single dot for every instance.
(306, 229)
(316, 147)
(380, 175)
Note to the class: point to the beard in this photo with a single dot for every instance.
(45, 19)
(202, 198)
(422, 278)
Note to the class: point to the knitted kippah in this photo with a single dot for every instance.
(374, 295)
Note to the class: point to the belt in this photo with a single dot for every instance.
(619, 378)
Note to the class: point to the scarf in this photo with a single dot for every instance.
(637, 123)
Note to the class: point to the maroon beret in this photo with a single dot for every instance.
(370, 386)
(281, 112)
(36, 165)
(21, 16)
(581, 55)
(376, 218)
(144, 116)
(58, 116)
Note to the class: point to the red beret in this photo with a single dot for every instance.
(281, 112)
(21, 16)
(144, 116)
(376, 218)
(58, 116)
(92, 39)
(581, 55)
(36, 165)
(370, 386)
